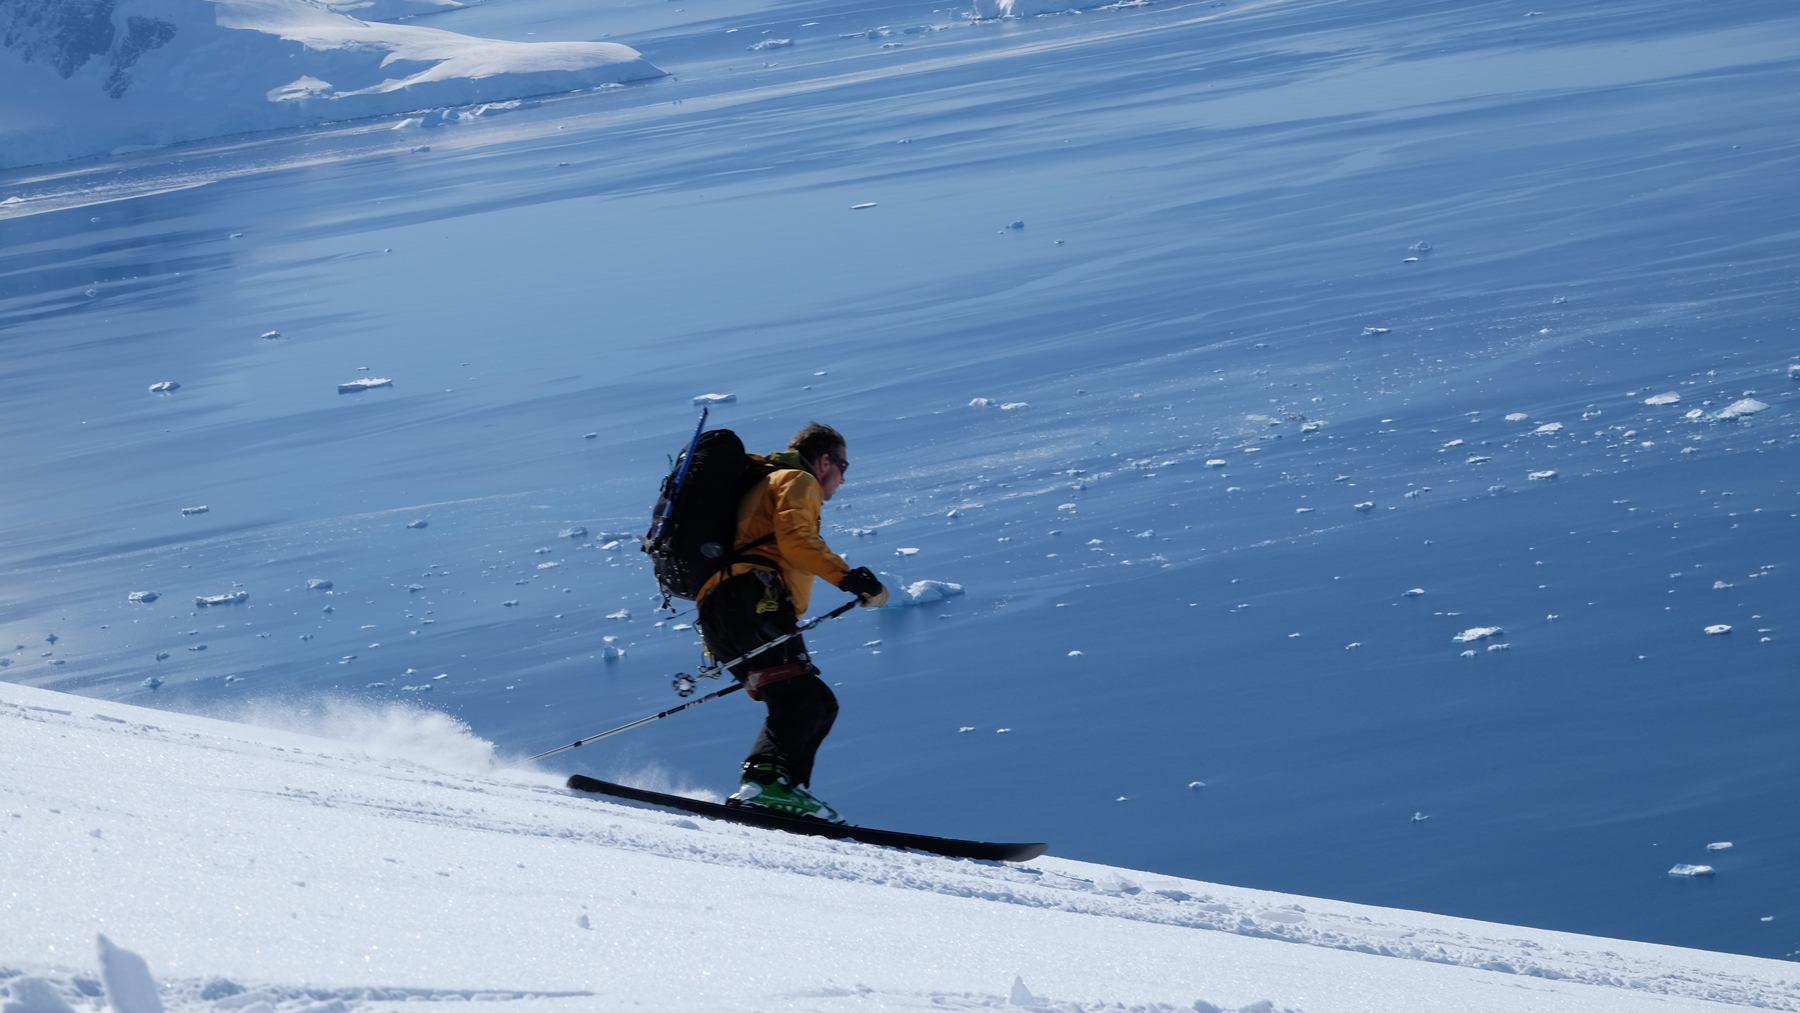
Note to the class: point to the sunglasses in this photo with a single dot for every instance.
(842, 465)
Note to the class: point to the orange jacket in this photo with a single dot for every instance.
(785, 504)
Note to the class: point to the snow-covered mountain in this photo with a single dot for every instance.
(259, 869)
(93, 76)
(1244, 362)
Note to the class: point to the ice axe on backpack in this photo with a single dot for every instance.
(685, 684)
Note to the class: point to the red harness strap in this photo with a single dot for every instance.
(756, 679)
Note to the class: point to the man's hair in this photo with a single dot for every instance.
(816, 440)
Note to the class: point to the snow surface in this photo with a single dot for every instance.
(1221, 198)
(207, 866)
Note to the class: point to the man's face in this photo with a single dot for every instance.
(830, 468)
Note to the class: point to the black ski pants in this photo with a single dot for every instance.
(743, 613)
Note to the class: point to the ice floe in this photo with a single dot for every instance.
(1215, 462)
(1475, 633)
(1685, 869)
(366, 383)
(770, 44)
(1540, 476)
(1739, 409)
(318, 584)
(231, 598)
(164, 387)
(575, 532)
(191, 511)
(1669, 398)
(715, 398)
(1517, 417)
(1548, 428)
(1719, 846)
(921, 591)
(1718, 628)
(416, 525)
(143, 597)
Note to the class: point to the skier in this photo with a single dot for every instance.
(760, 597)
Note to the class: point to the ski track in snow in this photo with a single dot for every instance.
(180, 804)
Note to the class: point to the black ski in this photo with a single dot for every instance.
(948, 847)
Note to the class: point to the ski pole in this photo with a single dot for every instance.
(714, 695)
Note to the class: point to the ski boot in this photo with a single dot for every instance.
(767, 785)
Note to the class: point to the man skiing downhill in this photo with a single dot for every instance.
(761, 595)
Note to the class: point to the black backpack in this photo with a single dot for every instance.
(694, 526)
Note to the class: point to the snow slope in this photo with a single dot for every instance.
(1223, 256)
(350, 876)
(89, 78)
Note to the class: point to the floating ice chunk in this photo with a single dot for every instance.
(862, 207)
(1216, 462)
(922, 591)
(611, 546)
(1517, 417)
(980, 402)
(1015, 225)
(271, 335)
(223, 599)
(1419, 817)
(575, 532)
(1419, 247)
(550, 565)
(621, 614)
(1477, 459)
(1146, 533)
(1454, 443)
(129, 987)
(142, 597)
(1365, 507)
(1074, 654)
(590, 436)
(1303, 510)
(1738, 409)
(1718, 629)
(1410, 260)
(1367, 331)
(415, 587)
(906, 552)
(1539, 476)
(1415, 592)
(1719, 846)
(164, 387)
(1353, 645)
(770, 44)
(415, 525)
(1196, 785)
(1467, 654)
(510, 604)
(1548, 428)
(1685, 869)
(1310, 427)
(1499, 647)
(191, 511)
(152, 682)
(1719, 585)
(1475, 633)
(318, 584)
(366, 383)
(715, 398)
(1694, 414)
(1011, 405)
(1669, 398)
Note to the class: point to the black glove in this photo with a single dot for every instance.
(861, 582)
